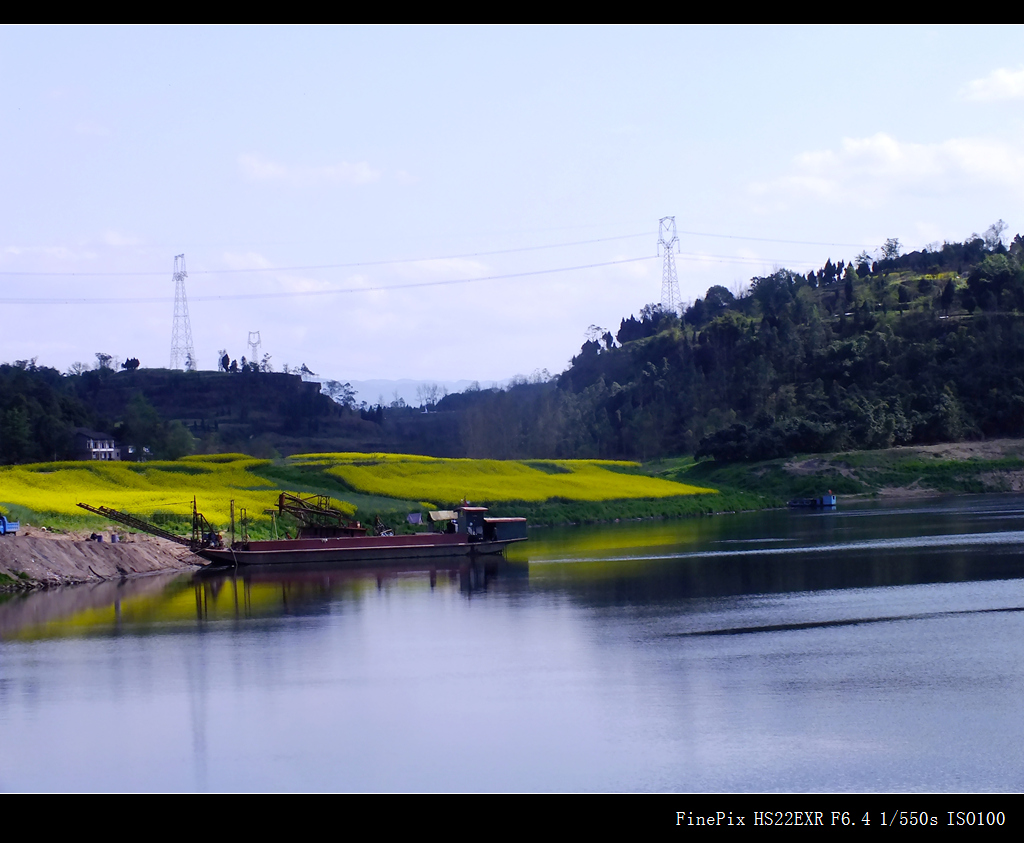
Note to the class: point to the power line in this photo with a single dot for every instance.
(352, 265)
(330, 292)
(357, 264)
(693, 256)
(776, 240)
(701, 256)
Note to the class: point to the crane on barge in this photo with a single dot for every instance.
(203, 534)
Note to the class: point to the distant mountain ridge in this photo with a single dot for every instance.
(383, 391)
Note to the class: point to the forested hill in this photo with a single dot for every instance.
(171, 413)
(914, 348)
(917, 348)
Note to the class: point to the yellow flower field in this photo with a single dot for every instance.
(452, 480)
(144, 488)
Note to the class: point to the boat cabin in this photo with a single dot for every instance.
(472, 522)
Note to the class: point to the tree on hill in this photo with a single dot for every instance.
(891, 249)
(340, 393)
(994, 235)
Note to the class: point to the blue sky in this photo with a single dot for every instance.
(443, 203)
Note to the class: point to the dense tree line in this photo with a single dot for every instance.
(38, 414)
(164, 414)
(910, 348)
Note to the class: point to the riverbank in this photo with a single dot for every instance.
(42, 559)
(991, 466)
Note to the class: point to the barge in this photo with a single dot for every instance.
(326, 536)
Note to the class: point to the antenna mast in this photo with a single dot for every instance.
(667, 239)
(183, 355)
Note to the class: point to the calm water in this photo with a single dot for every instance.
(877, 648)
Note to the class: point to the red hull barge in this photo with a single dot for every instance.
(326, 537)
(464, 532)
(358, 549)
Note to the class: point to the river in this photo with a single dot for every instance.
(875, 648)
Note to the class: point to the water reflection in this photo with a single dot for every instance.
(867, 546)
(291, 590)
(106, 606)
(180, 600)
(875, 648)
(871, 545)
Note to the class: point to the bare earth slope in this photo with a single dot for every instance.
(35, 558)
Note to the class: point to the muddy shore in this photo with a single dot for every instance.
(37, 558)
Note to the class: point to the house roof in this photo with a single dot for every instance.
(92, 434)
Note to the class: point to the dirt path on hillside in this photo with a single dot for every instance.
(1008, 480)
(991, 449)
(38, 558)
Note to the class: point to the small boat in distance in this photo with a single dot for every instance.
(821, 502)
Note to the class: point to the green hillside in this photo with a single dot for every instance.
(912, 349)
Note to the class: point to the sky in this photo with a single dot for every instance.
(444, 203)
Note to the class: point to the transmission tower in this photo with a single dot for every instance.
(254, 346)
(183, 355)
(667, 239)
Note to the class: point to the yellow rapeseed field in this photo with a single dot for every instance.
(452, 480)
(143, 488)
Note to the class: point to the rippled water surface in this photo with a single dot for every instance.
(876, 648)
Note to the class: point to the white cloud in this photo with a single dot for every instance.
(261, 281)
(445, 269)
(258, 168)
(302, 284)
(637, 270)
(90, 127)
(118, 238)
(1001, 84)
(62, 253)
(246, 260)
(869, 171)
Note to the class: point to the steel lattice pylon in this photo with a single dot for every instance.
(254, 346)
(183, 355)
(667, 239)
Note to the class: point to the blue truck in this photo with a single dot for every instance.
(8, 527)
